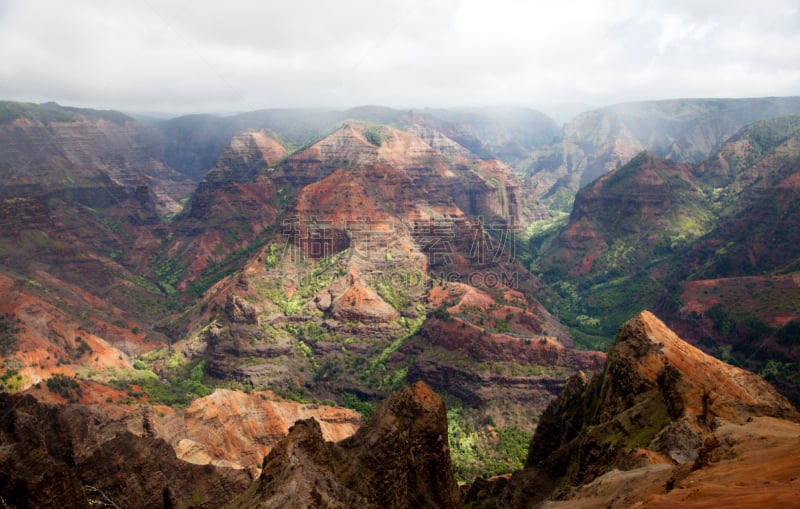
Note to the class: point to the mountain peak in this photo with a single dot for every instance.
(400, 458)
(708, 387)
(658, 400)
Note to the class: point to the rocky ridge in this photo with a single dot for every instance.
(238, 430)
(74, 456)
(660, 410)
(230, 210)
(400, 458)
(205, 454)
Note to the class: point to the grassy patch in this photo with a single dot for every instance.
(180, 383)
(483, 451)
(376, 135)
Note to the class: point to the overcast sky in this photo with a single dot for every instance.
(200, 56)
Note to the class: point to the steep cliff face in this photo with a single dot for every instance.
(98, 158)
(82, 201)
(652, 203)
(499, 353)
(623, 241)
(405, 171)
(231, 208)
(75, 456)
(400, 458)
(205, 454)
(49, 339)
(660, 410)
(656, 392)
(756, 174)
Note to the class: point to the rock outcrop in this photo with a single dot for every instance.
(656, 411)
(229, 210)
(205, 454)
(231, 428)
(400, 458)
(496, 351)
(366, 213)
(76, 456)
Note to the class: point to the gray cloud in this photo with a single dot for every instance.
(182, 56)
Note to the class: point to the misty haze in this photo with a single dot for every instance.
(399, 254)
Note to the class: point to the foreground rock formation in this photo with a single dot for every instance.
(662, 422)
(231, 428)
(204, 455)
(399, 459)
(74, 456)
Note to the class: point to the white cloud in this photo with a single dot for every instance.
(182, 55)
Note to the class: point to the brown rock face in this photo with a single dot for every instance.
(399, 459)
(656, 392)
(49, 333)
(496, 350)
(658, 403)
(237, 429)
(230, 208)
(366, 213)
(694, 383)
(239, 310)
(89, 157)
(206, 454)
(644, 202)
(76, 456)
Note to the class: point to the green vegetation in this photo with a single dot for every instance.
(67, 387)
(169, 274)
(284, 195)
(483, 451)
(179, 384)
(11, 380)
(594, 312)
(393, 295)
(783, 374)
(377, 370)
(225, 268)
(272, 256)
(305, 351)
(540, 234)
(353, 402)
(320, 275)
(376, 135)
(82, 349)
(763, 137)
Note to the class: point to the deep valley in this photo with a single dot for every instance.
(401, 308)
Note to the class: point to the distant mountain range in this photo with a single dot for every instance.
(683, 130)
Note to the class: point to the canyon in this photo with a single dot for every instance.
(191, 288)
